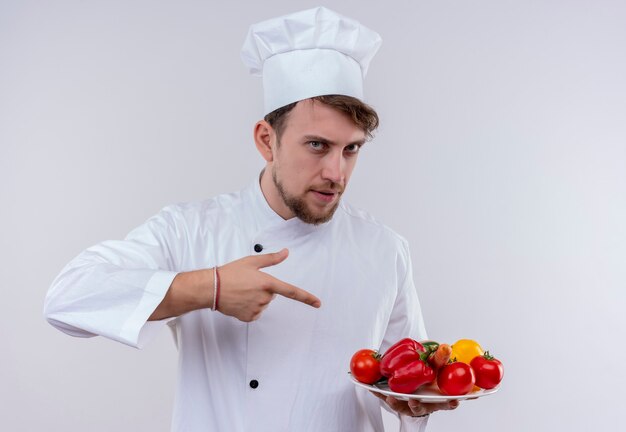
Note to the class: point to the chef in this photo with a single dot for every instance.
(269, 290)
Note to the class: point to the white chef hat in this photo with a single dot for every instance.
(309, 53)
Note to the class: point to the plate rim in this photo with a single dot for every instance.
(425, 398)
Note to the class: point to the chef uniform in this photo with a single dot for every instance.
(286, 371)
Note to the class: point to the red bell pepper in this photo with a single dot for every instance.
(405, 365)
(397, 355)
(408, 378)
(403, 342)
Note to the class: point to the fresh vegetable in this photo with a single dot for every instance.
(464, 350)
(456, 379)
(430, 345)
(399, 354)
(405, 364)
(365, 366)
(440, 356)
(408, 378)
(488, 370)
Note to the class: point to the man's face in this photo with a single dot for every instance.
(312, 162)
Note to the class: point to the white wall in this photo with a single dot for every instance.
(501, 157)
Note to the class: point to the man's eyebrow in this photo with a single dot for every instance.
(318, 139)
(329, 142)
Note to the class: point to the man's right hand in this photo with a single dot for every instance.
(245, 291)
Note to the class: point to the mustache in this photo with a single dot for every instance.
(330, 186)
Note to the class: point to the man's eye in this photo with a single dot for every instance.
(353, 148)
(316, 145)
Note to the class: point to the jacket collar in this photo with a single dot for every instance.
(267, 219)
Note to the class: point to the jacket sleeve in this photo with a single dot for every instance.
(406, 321)
(406, 318)
(111, 289)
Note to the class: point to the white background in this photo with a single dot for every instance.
(501, 158)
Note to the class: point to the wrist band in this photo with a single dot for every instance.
(217, 291)
(215, 284)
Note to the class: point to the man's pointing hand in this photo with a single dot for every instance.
(245, 291)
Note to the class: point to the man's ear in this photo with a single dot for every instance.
(263, 137)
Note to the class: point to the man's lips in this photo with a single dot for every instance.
(325, 195)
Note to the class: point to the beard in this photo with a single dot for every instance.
(299, 207)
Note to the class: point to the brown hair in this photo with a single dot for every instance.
(361, 114)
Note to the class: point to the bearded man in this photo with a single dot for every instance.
(269, 290)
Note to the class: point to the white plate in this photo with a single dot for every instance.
(424, 394)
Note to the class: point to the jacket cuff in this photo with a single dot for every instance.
(137, 330)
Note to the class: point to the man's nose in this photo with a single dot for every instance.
(334, 167)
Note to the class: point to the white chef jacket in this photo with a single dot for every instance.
(286, 371)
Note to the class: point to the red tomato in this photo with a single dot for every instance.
(365, 366)
(456, 379)
(488, 370)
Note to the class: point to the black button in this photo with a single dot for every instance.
(258, 248)
(254, 384)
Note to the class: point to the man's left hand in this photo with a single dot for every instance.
(415, 408)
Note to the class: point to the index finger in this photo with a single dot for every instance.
(293, 292)
(268, 259)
